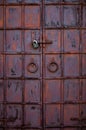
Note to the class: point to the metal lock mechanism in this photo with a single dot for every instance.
(35, 44)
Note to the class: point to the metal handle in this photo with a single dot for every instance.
(36, 44)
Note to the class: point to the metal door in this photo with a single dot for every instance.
(42, 64)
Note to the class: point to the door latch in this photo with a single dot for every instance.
(36, 44)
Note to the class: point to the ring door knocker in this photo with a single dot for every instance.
(53, 67)
(32, 67)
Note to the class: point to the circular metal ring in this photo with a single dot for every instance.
(32, 67)
(53, 67)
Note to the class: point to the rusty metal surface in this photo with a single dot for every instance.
(43, 88)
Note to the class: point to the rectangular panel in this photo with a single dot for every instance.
(55, 37)
(84, 64)
(84, 16)
(14, 91)
(71, 65)
(32, 66)
(71, 41)
(72, 1)
(52, 91)
(53, 129)
(13, 66)
(14, 115)
(13, 16)
(52, 16)
(83, 36)
(32, 16)
(71, 128)
(52, 1)
(32, 91)
(1, 1)
(13, 41)
(1, 116)
(1, 90)
(1, 41)
(52, 115)
(71, 16)
(31, 35)
(71, 90)
(53, 65)
(13, 1)
(14, 129)
(32, 116)
(83, 114)
(84, 89)
(32, 1)
(73, 111)
(1, 66)
(1, 17)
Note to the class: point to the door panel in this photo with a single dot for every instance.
(52, 19)
(32, 91)
(32, 16)
(71, 16)
(13, 41)
(42, 86)
(13, 17)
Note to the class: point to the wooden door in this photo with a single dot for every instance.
(42, 65)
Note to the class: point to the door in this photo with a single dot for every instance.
(42, 65)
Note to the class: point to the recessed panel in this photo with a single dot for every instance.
(52, 91)
(71, 0)
(71, 16)
(52, 1)
(1, 41)
(53, 65)
(84, 89)
(71, 65)
(32, 91)
(52, 115)
(73, 128)
(52, 129)
(30, 36)
(14, 91)
(13, 1)
(1, 114)
(1, 1)
(1, 90)
(71, 90)
(13, 17)
(13, 66)
(84, 16)
(83, 40)
(32, 66)
(52, 16)
(1, 66)
(32, 16)
(1, 17)
(84, 64)
(14, 115)
(71, 114)
(32, 116)
(54, 36)
(32, 1)
(13, 41)
(83, 114)
(71, 41)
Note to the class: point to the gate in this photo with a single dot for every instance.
(42, 65)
